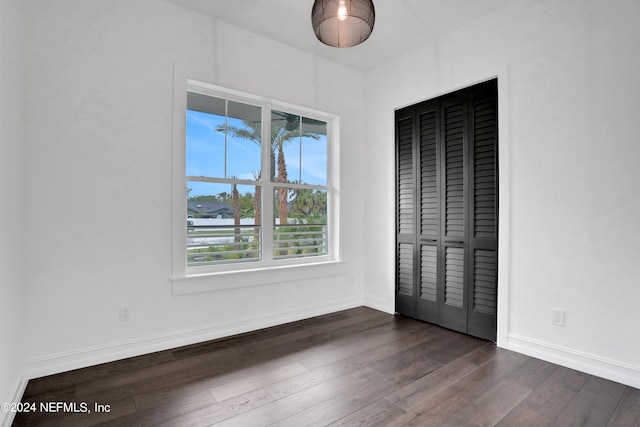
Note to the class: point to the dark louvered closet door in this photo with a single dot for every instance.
(446, 151)
(483, 215)
(430, 292)
(406, 266)
(453, 206)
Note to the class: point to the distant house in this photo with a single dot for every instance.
(197, 209)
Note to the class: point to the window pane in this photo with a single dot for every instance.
(243, 140)
(205, 150)
(222, 138)
(285, 147)
(313, 148)
(300, 223)
(223, 225)
(304, 149)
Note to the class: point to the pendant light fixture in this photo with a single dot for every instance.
(343, 23)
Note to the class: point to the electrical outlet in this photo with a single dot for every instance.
(558, 317)
(125, 312)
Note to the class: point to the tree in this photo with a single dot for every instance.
(223, 197)
(252, 131)
(235, 197)
(210, 198)
(257, 207)
(308, 203)
(246, 205)
(283, 192)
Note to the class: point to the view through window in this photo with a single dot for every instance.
(247, 166)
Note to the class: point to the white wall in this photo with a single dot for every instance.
(12, 290)
(98, 155)
(568, 82)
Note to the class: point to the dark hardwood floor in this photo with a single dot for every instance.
(355, 367)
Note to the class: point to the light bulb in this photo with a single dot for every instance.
(342, 11)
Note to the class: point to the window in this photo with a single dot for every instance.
(258, 182)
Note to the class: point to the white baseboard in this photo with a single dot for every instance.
(19, 386)
(56, 363)
(580, 361)
(380, 304)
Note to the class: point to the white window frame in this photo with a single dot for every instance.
(180, 271)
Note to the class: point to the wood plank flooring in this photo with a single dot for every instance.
(355, 367)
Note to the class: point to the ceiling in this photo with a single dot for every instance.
(400, 26)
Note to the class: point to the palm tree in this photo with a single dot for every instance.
(252, 131)
(282, 177)
(308, 202)
(235, 197)
(257, 207)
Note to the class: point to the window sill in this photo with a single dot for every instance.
(217, 281)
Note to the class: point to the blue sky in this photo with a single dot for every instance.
(205, 154)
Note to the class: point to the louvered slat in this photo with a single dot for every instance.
(405, 177)
(405, 269)
(428, 174)
(428, 272)
(454, 276)
(454, 171)
(484, 281)
(484, 164)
